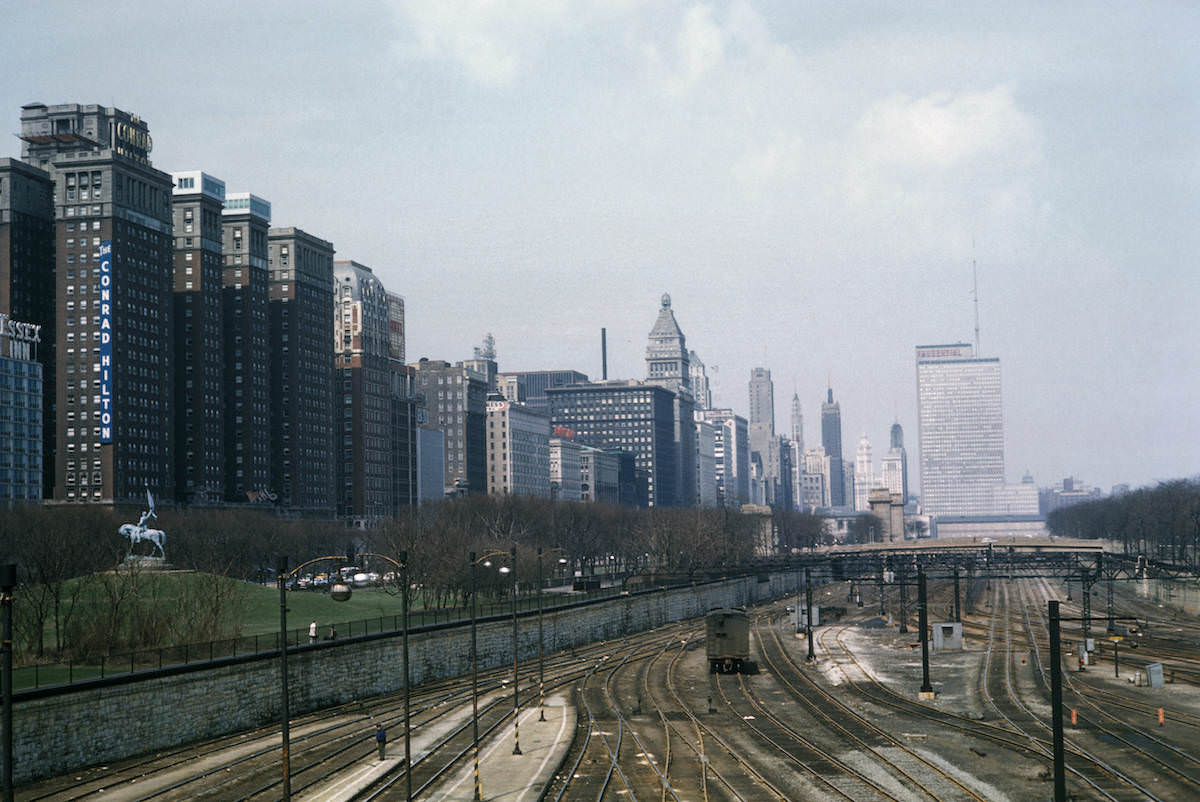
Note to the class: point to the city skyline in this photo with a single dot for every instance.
(518, 167)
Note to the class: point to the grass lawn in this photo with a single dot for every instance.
(262, 609)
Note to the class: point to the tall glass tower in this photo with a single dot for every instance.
(961, 430)
(831, 439)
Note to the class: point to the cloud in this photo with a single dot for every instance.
(494, 40)
(944, 130)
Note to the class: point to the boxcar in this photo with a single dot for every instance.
(727, 640)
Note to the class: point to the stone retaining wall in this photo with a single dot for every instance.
(59, 731)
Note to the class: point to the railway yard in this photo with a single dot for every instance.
(643, 717)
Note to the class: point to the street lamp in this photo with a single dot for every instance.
(282, 575)
(486, 560)
(541, 661)
(340, 592)
(516, 699)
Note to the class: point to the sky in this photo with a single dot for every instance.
(814, 184)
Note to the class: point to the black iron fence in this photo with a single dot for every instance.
(67, 672)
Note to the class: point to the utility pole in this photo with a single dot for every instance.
(882, 581)
(957, 607)
(1060, 779)
(922, 620)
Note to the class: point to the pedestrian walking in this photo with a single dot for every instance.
(312, 632)
(332, 632)
(381, 740)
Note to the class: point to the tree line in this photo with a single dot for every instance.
(1161, 522)
(78, 594)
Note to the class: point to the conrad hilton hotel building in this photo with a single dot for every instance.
(113, 276)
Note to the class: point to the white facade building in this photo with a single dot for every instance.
(961, 428)
(565, 481)
(599, 475)
(815, 477)
(518, 449)
(864, 474)
(706, 464)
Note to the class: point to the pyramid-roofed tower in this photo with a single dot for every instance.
(666, 352)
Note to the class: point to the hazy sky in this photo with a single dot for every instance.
(809, 181)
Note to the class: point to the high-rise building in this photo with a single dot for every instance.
(566, 476)
(701, 389)
(961, 429)
(245, 313)
(864, 474)
(456, 403)
(431, 463)
(407, 414)
(397, 332)
(667, 359)
(21, 415)
(633, 416)
(518, 449)
(731, 455)
(196, 203)
(113, 348)
(895, 465)
(762, 399)
(600, 475)
(529, 387)
(407, 411)
(668, 365)
(27, 271)
(764, 445)
(797, 454)
(363, 393)
(815, 478)
(706, 461)
(831, 440)
(301, 316)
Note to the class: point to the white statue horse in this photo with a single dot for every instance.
(139, 532)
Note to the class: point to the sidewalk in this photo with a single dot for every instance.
(508, 777)
(503, 775)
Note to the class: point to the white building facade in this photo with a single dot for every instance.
(565, 477)
(518, 450)
(864, 474)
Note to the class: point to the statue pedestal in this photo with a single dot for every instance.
(146, 563)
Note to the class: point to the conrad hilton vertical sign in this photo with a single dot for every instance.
(106, 344)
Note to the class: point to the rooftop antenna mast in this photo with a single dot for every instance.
(975, 294)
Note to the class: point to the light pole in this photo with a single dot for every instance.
(8, 581)
(474, 682)
(407, 728)
(516, 656)
(486, 561)
(402, 564)
(341, 592)
(283, 674)
(541, 659)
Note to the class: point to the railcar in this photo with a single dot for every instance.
(727, 640)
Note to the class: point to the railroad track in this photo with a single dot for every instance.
(855, 730)
(324, 745)
(1145, 753)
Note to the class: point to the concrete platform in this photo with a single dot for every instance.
(503, 775)
(509, 777)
